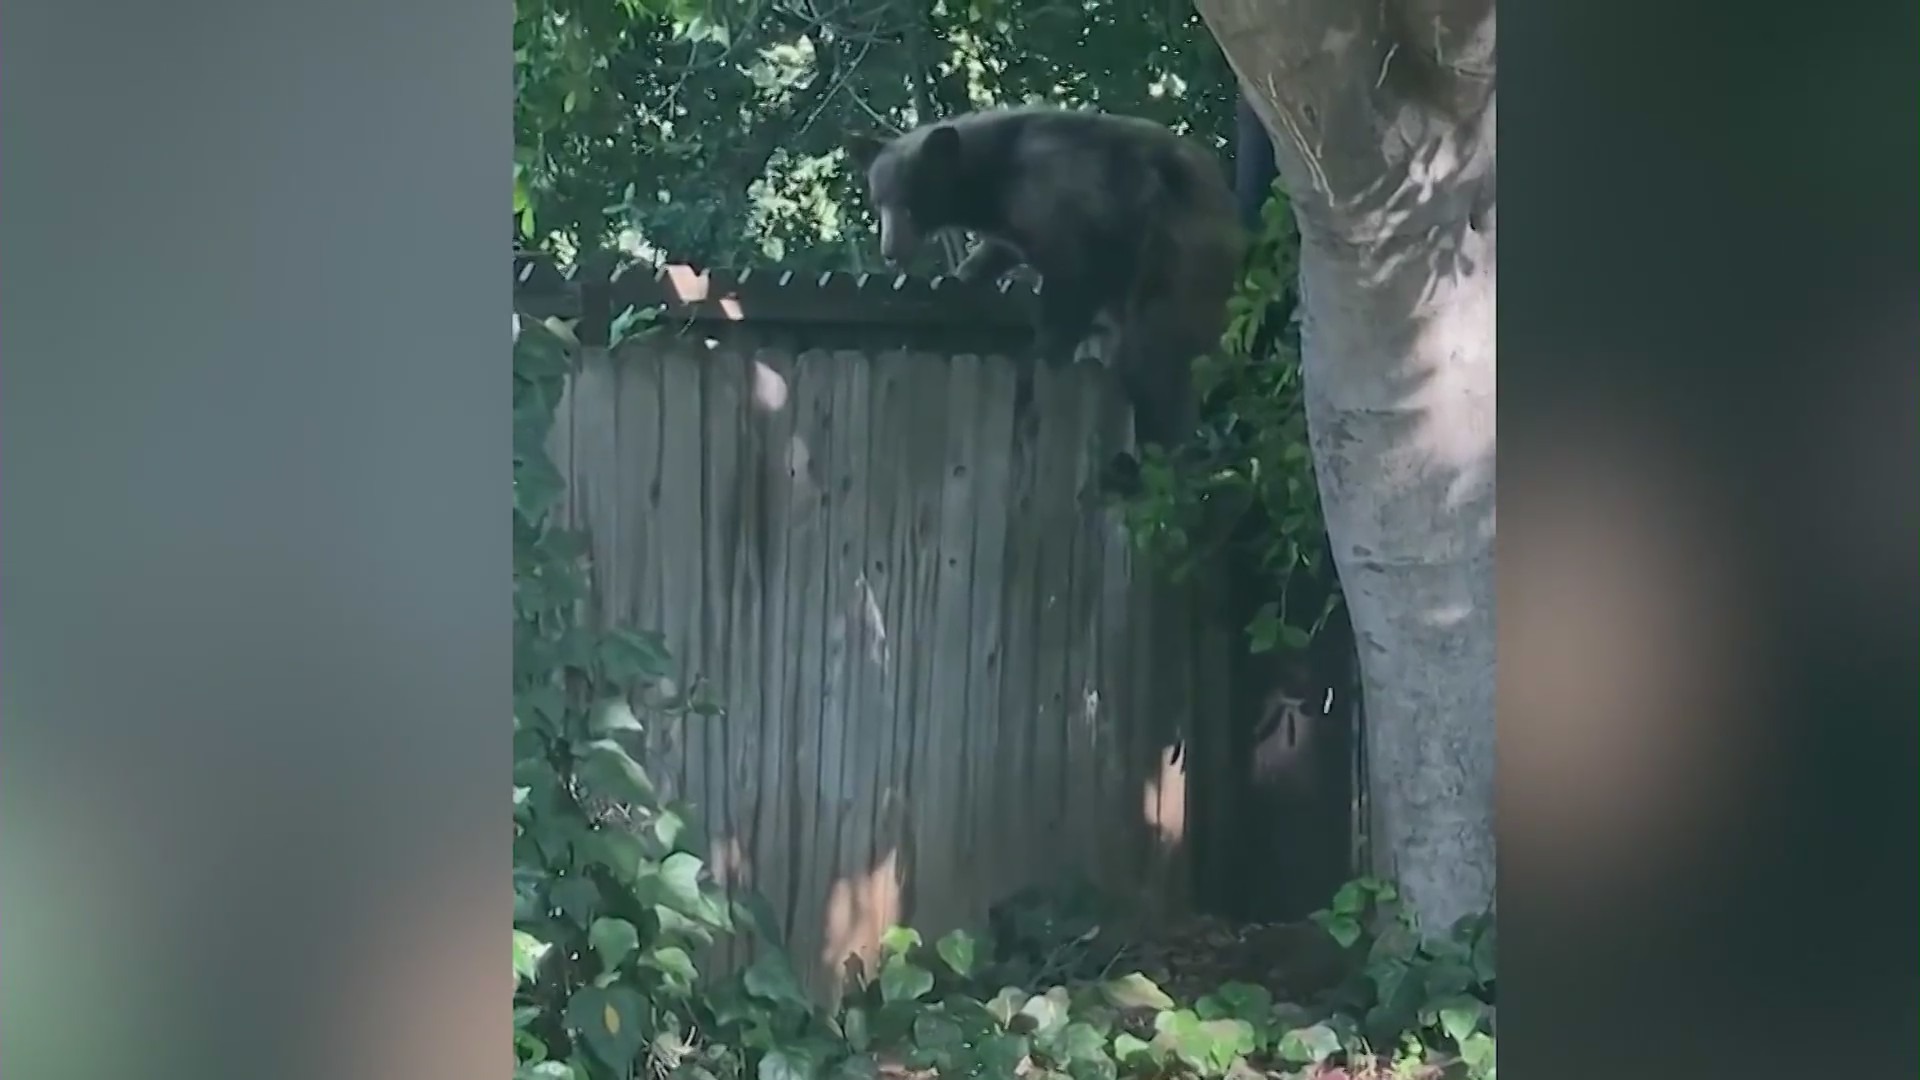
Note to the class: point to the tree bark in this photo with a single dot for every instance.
(1382, 118)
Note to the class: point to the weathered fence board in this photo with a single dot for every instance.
(943, 681)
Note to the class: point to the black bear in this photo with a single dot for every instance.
(1122, 218)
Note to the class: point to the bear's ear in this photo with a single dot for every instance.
(941, 146)
(862, 149)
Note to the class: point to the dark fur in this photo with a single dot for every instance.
(1122, 219)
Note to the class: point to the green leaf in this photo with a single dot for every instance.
(537, 487)
(611, 715)
(677, 884)
(781, 1065)
(902, 980)
(1484, 955)
(539, 353)
(1083, 1042)
(526, 890)
(576, 897)
(1246, 1001)
(630, 321)
(771, 978)
(547, 1070)
(1006, 1004)
(900, 939)
(1351, 899)
(666, 828)
(1343, 929)
(614, 940)
(609, 1019)
(937, 1034)
(1048, 1010)
(527, 951)
(1128, 1046)
(957, 950)
(608, 770)
(1460, 1017)
(1309, 1045)
(1479, 1054)
(678, 926)
(675, 963)
(527, 1047)
(621, 852)
(854, 1025)
(1001, 1055)
(1136, 991)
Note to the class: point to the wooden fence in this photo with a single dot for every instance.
(876, 534)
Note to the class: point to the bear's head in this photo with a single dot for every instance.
(912, 184)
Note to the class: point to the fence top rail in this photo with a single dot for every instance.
(771, 296)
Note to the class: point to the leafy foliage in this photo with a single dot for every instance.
(1246, 489)
(931, 1007)
(709, 131)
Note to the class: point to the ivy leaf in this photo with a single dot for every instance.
(1309, 1045)
(665, 829)
(577, 898)
(673, 962)
(537, 487)
(771, 977)
(1083, 1042)
(1127, 1046)
(900, 939)
(1459, 1017)
(1343, 929)
(1246, 1001)
(611, 715)
(781, 1065)
(527, 951)
(526, 894)
(621, 852)
(675, 925)
(1002, 1054)
(1006, 1004)
(1483, 956)
(854, 1026)
(957, 950)
(1136, 991)
(1048, 1010)
(938, 1035)
(901, 980)
(609, 1019)
(539, 353)
(608, 770)
(614, 940)
(630, 321)
(677, 885)
(1478, 1052)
